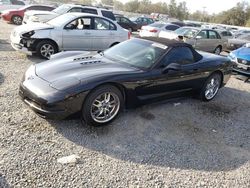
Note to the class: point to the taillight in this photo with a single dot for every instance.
(129, 35)
(153, 31)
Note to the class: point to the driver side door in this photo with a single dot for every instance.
(77, 35)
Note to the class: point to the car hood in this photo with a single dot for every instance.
(242, 53)
(37, 12)
(82, 68)
(32, 27)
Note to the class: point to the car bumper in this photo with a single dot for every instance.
(55, 106)
(241, 71)
(16, 44)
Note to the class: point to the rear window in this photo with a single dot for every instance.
(159, 25)
(108, 14)
(171, 27)
(89, 10)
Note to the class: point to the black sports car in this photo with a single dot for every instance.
(133, 72)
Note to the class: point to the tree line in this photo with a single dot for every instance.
(238, 15)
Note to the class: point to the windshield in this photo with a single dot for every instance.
(61, 9)
(188, 32)
(59, 20)
(136, 52)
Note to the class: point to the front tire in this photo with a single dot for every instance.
(17, 20)
(46, 48)
(102, 105)
(211, 87)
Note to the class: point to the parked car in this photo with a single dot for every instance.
(236, 43)
(241, 57)
(153, 30)
(44, 16)
(131, 73)
(126, 23)
(141, 21)
(202, 39)
(225, 33)
(71, 31)
(241, 32)
(16, 15)
(10, 4)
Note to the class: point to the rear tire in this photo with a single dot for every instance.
(211, 87)
(17, 20)
(46, 48)
(102, 105)
(217, 50)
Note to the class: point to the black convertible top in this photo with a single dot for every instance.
(174, 43)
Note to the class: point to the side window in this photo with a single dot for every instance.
(108, 14)
(124, 20)
(118, 19)
(75, 9)
(224, 33)
(79, 24)
(229, 34)
(102, 24)
(202, 34)
(180, 55)
(89, 10)
(212, 35)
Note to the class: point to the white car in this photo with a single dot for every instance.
(154, 29)
(71, 31)
(187, 31)
(44, 16)
(11, 4)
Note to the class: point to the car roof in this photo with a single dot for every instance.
(77, 14)
(87, 6)
(167, 42)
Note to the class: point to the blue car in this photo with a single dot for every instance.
(241, 57)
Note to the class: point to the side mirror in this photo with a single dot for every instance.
(70, 26)
(198, 37)
(171, 66)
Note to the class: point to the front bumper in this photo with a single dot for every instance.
(48, 102)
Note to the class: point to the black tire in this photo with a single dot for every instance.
(204, 90)
(114, 44)
(87, 108)
(217, 50)
(46, 44)
(17, 20)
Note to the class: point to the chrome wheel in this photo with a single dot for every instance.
(217, 51)
(212, 88)
(17, 20)
(105, 107)
(47, 50)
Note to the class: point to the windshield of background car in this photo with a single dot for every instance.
(61, 9)
(187, 32)
(139, 53)
(59, 20)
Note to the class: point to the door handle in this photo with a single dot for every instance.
(143, 82)
(111, 34)
(87, 33)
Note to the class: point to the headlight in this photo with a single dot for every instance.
(29, 34)
(34, 19)
(65, 83)
(30, 72)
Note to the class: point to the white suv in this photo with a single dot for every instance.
(44, 16)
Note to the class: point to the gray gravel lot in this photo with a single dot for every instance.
(192, 144)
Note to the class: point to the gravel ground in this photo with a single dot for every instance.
(177, 143)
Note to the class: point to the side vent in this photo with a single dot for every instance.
(90, 62)
(83, 58)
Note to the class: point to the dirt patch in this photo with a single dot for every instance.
(147, 115)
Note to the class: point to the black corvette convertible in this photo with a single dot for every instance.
(133, 72)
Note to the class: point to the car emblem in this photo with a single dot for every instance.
(244, 61)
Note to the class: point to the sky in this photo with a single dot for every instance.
(211, 6)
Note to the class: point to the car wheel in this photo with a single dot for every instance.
(46, 48)
(217, 50)
(102, 105)
(17, 20)
(211, 87)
